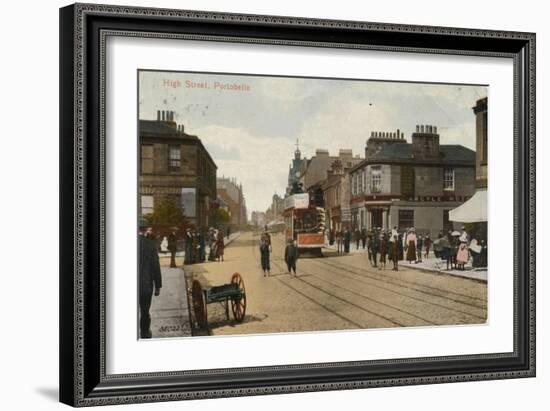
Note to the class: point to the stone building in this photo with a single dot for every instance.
(175, 164)
(410, 184)
(258, 219)
(232, 194)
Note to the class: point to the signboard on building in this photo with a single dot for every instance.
(297, 201)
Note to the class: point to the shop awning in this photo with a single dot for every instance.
(472, 211)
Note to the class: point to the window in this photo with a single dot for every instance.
(147, 158)
(174, 158)
(406, 219)
(364, 181)
(360, 183)
(375, 179)
(147, 204)
(448, 179)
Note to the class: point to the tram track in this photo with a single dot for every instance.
(357, 306)
(413, 286)
(404, 295)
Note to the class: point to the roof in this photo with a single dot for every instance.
(451, 154)
(162, 129)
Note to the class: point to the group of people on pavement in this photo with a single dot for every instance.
(393, 246)
(195, 242)
(456, 248)
(291, 254)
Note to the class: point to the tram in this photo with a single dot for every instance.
(305, 223)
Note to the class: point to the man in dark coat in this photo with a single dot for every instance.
(347, 240)
(291, 255)
(363, 237)
(149, 276)
(173, 248)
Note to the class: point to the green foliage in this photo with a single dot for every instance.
(167, 212)
(222, 216)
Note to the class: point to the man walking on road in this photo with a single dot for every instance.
(291, 255)
(149, 276)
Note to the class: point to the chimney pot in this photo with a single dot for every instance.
(158, 115)
(163, 115)
(435, 129)
(422, 128)
(417, 128)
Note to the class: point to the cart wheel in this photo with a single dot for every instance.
(238, 304)
(199, 304)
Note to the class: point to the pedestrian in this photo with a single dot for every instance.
(462, 255)
(419, 245)
(394, 246)
(400, 251)
(339, 240)
(264, 257)
(202, 246)
(383, 251)
(211, 236)
(410, 242)
(375, 248)
(347, 240)
(357, 238)
(220, 246)
(150, 279)
(291, 255)
(427, 244)
(188, 258)
(369, 247)
(172, 247)
(363, 237)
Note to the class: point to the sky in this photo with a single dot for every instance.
(250, 124)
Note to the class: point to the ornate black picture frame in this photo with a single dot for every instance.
(83, 31)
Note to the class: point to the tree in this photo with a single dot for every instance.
(167, 212)
(222, 216)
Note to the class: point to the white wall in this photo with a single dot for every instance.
(29, 174)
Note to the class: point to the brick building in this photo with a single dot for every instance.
(232, 194)
(410, 184)
(175, 164)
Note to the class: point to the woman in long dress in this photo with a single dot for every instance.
(220, 246)
(410, 240)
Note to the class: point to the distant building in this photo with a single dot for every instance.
(177, 165)
(232, 194)
(314, 170)
(276, 209)
(258, 219)
(410, 184)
